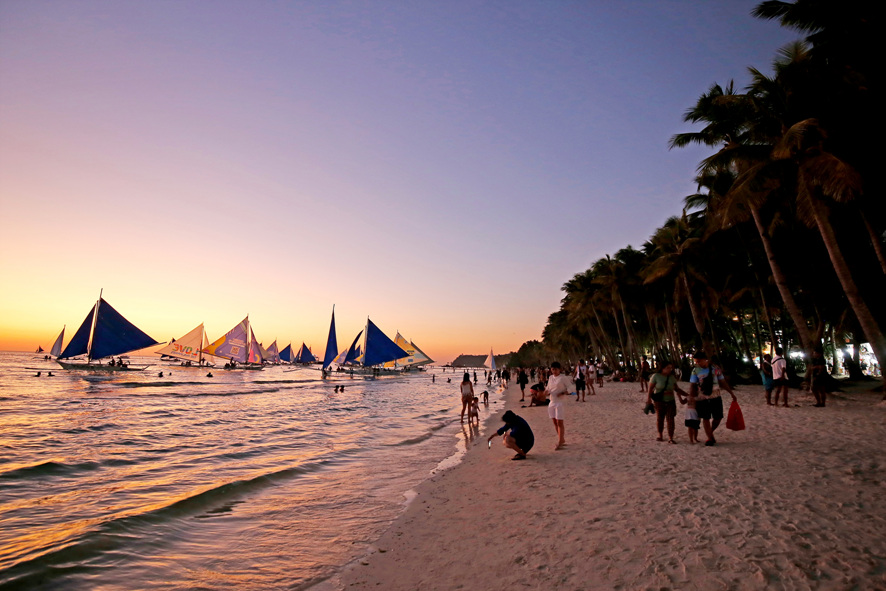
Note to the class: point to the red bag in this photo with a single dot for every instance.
(735, 420)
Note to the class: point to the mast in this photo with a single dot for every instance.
(92, 328)
(365, 340)
(203, 339)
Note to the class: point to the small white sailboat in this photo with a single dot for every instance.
(490, 361)
(105, 333)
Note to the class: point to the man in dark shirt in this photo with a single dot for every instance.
(520, 438)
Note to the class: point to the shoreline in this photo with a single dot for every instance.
(794, 501)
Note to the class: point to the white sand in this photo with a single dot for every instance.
(796, 501)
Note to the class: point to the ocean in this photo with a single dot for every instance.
(248, 479)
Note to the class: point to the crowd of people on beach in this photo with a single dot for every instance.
(703, 401)
(703, 413)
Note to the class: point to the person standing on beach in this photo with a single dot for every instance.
(645, 372)
(520, 438)
(766, 375)
(707, 400)
(780, 375)
(818, 373)
(522, 380)
(467, 394)
(662, 386)
(557, 389)
(581, 373)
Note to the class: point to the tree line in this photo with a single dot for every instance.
(782, 244)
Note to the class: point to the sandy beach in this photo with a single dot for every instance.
(796, 501)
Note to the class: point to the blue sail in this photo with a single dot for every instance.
(286, 354)
(304, 355)
(379, 348)
(331, 344)
(80, 342)
(352, 350)
(115, 335)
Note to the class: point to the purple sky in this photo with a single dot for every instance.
(441, 166)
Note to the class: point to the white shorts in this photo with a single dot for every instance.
(556, 411)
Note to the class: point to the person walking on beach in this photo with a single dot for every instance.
(780, 375)
(662, 386)
(707, 400)
(557, 389)
(645, 372)
(522, 380)
(519, 438)
(600, 371)
(467, 394)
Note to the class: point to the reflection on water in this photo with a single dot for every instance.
(251, 479)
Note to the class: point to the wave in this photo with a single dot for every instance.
(49, 468)
(117, 532)
(423, 437)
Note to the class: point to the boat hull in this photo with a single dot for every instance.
(96, 367)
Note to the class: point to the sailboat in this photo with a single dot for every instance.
(57, 346)
(105, 333)
(415, 358)
(188, 348)
(376, 350)
(286, 354)
(490, 361)
(271, 354)
(237, 347)
(304, 355)
(331, 345)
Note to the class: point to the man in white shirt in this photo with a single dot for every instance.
(557, 390)
(780, 375)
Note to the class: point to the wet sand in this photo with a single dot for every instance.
(796, 501)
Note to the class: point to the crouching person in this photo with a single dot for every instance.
(519, 437)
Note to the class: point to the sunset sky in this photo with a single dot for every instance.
(443, 167)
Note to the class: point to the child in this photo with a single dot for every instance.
(474, 410)
(692, 420)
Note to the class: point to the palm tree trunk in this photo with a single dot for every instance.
(768, 320)
(876, 241)
(693, 307)
(866, 319)
(781, 283)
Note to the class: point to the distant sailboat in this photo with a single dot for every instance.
(304, 355)
(188, 348)
(286, 354)
(490, 361)
(236, 348)
(105, 333)
(273, 355)
(39, 349)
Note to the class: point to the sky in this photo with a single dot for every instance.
(440, 167)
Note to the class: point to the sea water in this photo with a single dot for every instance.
(247, 479)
